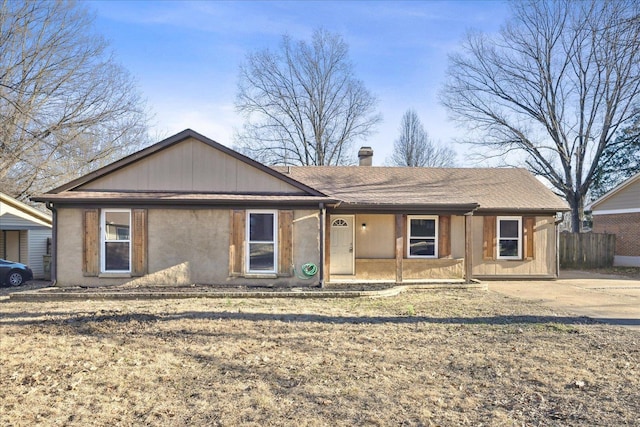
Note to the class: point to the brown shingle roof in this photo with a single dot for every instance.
(498, 189)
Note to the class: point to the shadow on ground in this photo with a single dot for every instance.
(31, 318)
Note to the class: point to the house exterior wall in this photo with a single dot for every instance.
(191, 166)
(185, 246)
(626, 227)
(375, 253)
(457, 236)
(377, 241)
(542, 264)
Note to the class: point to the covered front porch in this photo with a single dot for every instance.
(397, 248)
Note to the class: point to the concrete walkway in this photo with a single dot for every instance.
(607, 298)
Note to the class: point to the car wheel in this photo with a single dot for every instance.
(15, 278)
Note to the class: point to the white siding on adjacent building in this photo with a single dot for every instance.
(37, 248)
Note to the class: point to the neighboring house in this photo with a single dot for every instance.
(25, 234)
(618, 212)
(189, 210)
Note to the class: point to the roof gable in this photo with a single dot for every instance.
(11, 209)
(626, 195)
(187, 162)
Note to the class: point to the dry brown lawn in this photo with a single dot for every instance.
(444, 358)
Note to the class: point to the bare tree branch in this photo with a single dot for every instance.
(557, 84)
(65, 106)
(302, 104)
(415, 148)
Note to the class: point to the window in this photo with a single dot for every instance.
(509, 237)
(116, 241)
(423, 232)
(339, 223)
(261, 241)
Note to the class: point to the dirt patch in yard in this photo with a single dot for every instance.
(421, 358)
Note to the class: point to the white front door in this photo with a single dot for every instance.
(341, 248)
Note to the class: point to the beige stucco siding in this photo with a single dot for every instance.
(192, 166)
(544, 260)
(457, 237)
(185, 246)
(377, 240)
(626, 198)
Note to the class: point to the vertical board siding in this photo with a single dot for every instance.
(24, 246)
(285, 242)
(91, 243)
(236, 246)
(587, 250)
(529, 225)
(139, 264)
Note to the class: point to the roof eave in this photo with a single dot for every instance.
(408, 207)
(125, 201)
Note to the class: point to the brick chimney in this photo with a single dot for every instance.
(366, 156)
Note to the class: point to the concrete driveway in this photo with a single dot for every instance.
(610, 299)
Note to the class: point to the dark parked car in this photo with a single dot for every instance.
(14, 273)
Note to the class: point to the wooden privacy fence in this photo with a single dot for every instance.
(587, 250)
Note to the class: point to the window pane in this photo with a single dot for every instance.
(422, 247)
(261, 256)
(423, 227)
(509, 228)
(116, 256)
(261, 227)
(508, 248)
(117, 225)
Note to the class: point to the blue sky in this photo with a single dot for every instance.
(185, 55)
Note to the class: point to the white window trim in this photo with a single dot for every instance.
(248, 242)
(498, 238)
(409, 237)
(103, 240)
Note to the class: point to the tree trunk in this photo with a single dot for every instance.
(576, 203)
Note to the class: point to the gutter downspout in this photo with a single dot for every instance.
(54, 242)
(323, 211)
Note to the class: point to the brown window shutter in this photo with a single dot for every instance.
(444, 236)
(405, 237)
(236, 244)
(529, 228)
(139, 264)
(91, 243)
(285, 242)
(489, 238)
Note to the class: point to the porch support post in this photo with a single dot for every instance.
(322, 214)
(327, 246)
(468, 246)
(399, 248)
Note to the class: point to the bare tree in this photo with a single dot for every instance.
(415, 148)
(556, 85)
(65, 106)
(302, 104)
